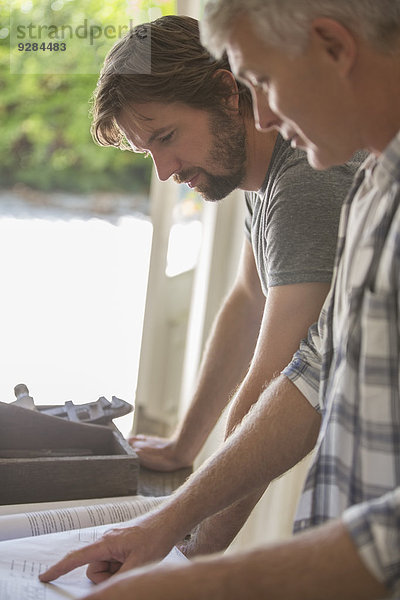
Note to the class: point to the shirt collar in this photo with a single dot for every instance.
(388, 163)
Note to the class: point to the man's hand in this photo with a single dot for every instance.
(159, 454)
(325, 558)
(117, 551)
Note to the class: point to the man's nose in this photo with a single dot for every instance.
(166, 165)
(264, 117)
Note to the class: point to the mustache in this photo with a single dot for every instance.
(185, 176)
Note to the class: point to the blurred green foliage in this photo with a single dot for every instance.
(44, 107)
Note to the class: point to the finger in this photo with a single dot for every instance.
(100, 571)
(135, 443)
(143, 448)
(138, 437)
(92, 553)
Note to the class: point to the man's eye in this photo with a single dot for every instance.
(166, 138)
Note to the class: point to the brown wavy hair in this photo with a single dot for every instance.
(161, 61)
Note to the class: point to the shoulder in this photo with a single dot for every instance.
(294, 164)
(295, 178)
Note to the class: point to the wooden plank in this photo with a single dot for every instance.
(47, 480)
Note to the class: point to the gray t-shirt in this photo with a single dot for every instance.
(292, 221)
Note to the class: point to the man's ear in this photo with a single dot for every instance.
(228, 79)
(336, 41)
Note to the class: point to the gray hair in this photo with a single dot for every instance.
(286, 23)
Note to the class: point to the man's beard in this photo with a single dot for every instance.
(228, 154)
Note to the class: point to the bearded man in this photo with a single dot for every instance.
(161, 93)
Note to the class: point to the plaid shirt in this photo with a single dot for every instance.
(348, 368)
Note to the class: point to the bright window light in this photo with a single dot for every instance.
(73, 298)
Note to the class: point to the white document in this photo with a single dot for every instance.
(22, 560)
(66, 518)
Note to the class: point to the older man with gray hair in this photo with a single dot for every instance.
(331, 71)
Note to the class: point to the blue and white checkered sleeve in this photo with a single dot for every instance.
(305, 368)
(374, 528)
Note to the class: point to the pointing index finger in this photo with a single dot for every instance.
(75, 559)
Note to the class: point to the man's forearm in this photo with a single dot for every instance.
(225, 362)
(323, 563)
(279, 431)
(216, 533)
(288, 311)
